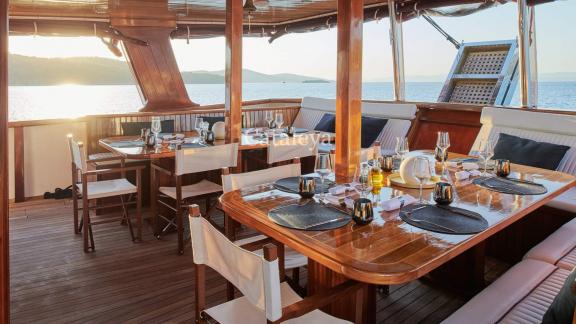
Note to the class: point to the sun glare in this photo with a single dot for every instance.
(51, 47)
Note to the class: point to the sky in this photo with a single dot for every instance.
(426, 52)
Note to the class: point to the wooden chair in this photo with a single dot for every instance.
(230, 182)
(285, 149)
(83, 188)
(265, 297)
(190, 161)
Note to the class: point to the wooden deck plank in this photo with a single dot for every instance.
(53, 280)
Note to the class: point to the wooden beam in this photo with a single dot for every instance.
(19, 182)
(349, 88)
(233, 75)
(4, 268)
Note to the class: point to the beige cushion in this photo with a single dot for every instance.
(568, 262)
(292, 259)
(532, 308)
(494, 302)
(566, 201)
(109, 188)
(241, 311)
(556, 246)
(203, 187)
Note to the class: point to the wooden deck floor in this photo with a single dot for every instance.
(54, 281)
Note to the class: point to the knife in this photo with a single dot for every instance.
(326, 222)
(457, 211)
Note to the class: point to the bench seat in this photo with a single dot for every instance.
(513, 295)
(566, 201)
(561, 245)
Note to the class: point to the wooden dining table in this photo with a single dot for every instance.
(388, 250)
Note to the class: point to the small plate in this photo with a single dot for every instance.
(396, 179)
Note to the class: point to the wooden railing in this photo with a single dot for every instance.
(100, 126)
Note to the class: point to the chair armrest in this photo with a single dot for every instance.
(257, 245)
(114, 170)
(320, 300)
(161, 169)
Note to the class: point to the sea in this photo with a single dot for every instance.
(72, 101)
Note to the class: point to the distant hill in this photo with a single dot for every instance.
(25, 70)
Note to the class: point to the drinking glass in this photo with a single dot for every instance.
(365, 179)
(443, 143)
(323, 168)
(422, 171)
(269, 118)
(198, 125)
(485, 153)
(402, 147)
(279, 120)
(156, 127)
(204, 131)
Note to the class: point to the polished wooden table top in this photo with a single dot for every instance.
(388, 250)
(247, 142)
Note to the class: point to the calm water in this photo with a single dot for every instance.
(67, 101)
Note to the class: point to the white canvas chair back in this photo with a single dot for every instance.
(256, 278)
(399, 117)
(542, 127)
(206, 158)
(77, 154)
(292, 147)
(236, 181)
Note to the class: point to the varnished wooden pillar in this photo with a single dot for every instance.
(349, 87)
(4, 275)
(233, 75)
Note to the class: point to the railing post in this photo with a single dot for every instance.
(527, 55)
(397, 44)
(349, 87)
(233, 74)
(4, 268)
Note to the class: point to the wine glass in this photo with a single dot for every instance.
(279, 120)
(323, 168)
(156, 127)
(365, 179)
(204, 131)
(198, 125)
(443, 143)
(422, 171)
(269, 118)
(402, 147)
(485, 153)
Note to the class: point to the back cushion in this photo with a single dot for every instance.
(371, 129)
(327, 124)
(133, 128)
(528, 152)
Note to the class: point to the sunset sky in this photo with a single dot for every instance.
(427, 53)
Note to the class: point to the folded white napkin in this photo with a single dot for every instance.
(452, 164)
(462, 175)
(396, 202)
(470, 166)
(349, 202)
(475, 173)
(334, 200)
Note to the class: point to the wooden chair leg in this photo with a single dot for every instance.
(153, 201)
(230, 290)
(75, 207)
(180, 226)
(126, 217)
(139, 214)
(92, 246)
(85, 220)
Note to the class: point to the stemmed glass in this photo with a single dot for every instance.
(156, 127)
(198, 125)
(422, 171)
(323, 168)
(443, 143)
(269, 118)
(204, 131)
(402, 147)
(279, 120)
(485, 153)
(365, 179)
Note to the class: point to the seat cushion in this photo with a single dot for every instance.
(568, 262)
(532, 308)
(494, 302)
(326, 124)
(555, 246)
(566, 201)
(109, 188)
(203, 187)
(241, 311)
(562, 308)
(292, 258)
(528, 152)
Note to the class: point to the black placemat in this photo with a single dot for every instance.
(126, 144)
(291, 185)
(444, 219)
(510, 186)
(310, 216)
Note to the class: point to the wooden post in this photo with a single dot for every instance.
(4, 274)
(19, 178)
(349, 88)
(233, 75)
